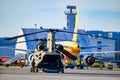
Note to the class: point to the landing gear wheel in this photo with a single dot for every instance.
(32, 69)
(21, 65)
(36, 69)
(62, 71)
(7, 65)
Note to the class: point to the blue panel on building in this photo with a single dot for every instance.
(7, 43)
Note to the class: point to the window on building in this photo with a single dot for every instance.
(110, 35)
(99, 49)
(93, 36)
(99, 36)
(99, 42)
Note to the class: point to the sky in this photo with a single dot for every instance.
(94, 15)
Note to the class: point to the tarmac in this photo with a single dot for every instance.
(17, 73)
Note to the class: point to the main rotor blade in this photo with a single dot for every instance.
(42, 39)
(57, 30)
(98, 46)
(24, 41)
(24, 35)
(66, 31)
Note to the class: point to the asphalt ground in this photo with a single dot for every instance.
(17, 73)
